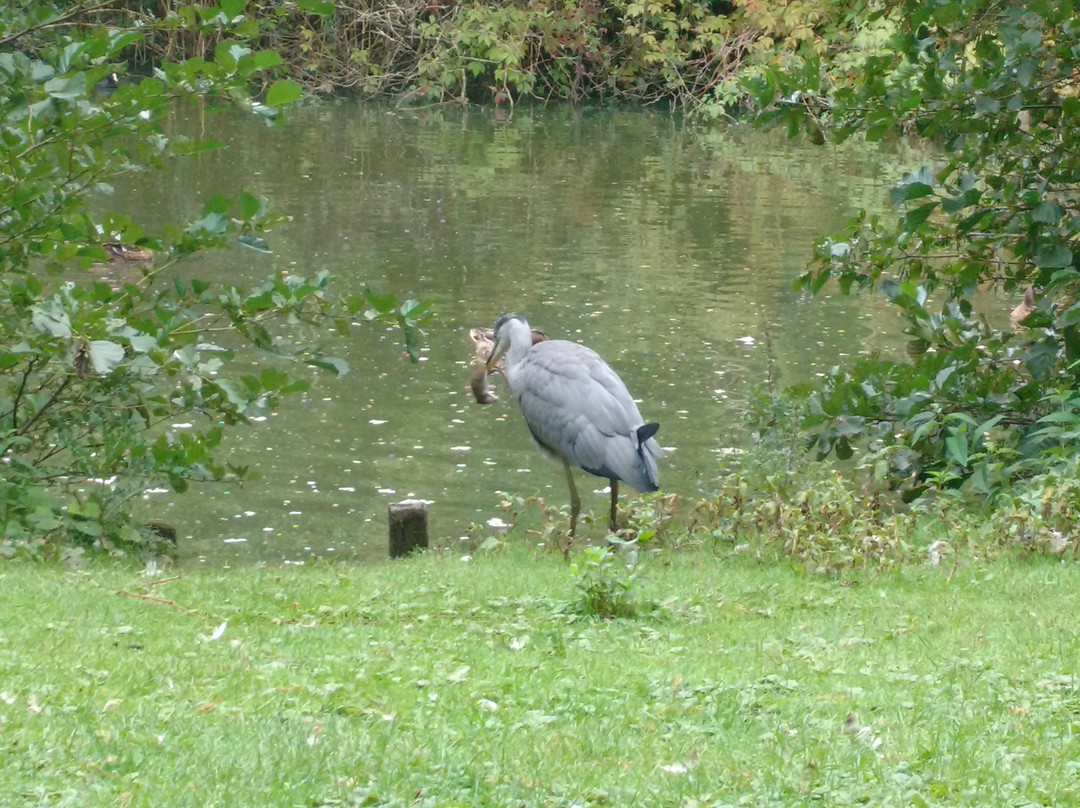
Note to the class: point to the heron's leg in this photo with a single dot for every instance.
(575, 501)
(614, 505)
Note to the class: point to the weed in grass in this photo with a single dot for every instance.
(607, 580)
(651, 521)
(540, 523)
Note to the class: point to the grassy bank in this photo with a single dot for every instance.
(435, 681)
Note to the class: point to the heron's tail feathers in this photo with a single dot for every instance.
(649, 451)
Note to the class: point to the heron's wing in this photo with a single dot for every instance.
(578, 408)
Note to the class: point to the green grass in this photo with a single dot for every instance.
(434, 682)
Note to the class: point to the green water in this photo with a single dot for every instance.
(667, 247)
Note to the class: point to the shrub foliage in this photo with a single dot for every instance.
(107, 389)
(972, 402)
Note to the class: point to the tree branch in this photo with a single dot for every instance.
(63, 19)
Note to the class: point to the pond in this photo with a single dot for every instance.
(668, 247)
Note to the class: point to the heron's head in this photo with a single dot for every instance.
(504, 334)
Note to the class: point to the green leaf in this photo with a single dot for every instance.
(228, 52)
(233, 392)
(263, 59)
(283, 92)
(974, 220)
(1032, 38)
(250, 205)
(321, 7)
(1053, 257)
(49, 318)
(339, 367)
(1047, 212)
(914, 218)
(850, 426)
(233, 8)
(253, 242)
(957, 449)
(218, 203)
(1025, 71)
(273, 378)
(213, 224)
(142, 343)
(105, 356)
(67, 87)
(913, 186)
(382, 303)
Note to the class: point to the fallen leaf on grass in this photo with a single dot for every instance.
(216, 634)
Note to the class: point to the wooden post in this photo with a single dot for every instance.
(408, 527)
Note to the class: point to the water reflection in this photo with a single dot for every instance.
(670, 249)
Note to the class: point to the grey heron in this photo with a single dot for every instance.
(578, 410)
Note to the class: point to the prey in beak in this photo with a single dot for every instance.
(497, 351)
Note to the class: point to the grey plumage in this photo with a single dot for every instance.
(578, 410)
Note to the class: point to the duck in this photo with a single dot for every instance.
(1024, 310)
(120, 253)
(483, 340)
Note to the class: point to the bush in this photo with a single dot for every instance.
(108, 390)
(970, 404)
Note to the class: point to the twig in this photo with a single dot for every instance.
(162, 581)
(162, 601)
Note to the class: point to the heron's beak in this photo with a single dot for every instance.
(501, 344)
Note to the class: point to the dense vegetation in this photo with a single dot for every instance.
(978, 405)
(92, 373)
(688, 55)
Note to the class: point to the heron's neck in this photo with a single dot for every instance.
(515, 356)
